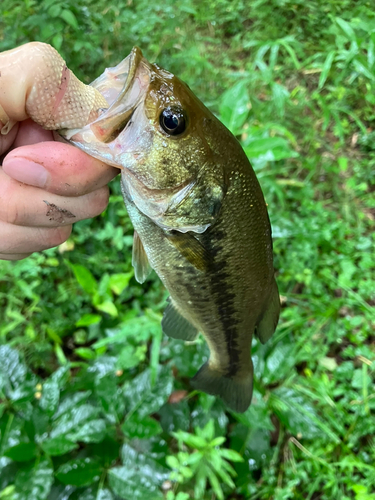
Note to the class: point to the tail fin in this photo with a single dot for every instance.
(235, 392)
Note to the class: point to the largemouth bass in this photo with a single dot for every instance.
(199, 216)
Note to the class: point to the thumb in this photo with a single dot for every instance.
(36, 83)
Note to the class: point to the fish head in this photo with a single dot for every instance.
(159, 134)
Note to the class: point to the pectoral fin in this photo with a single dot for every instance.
(267, 324)
(192, 249)
(140, 262)
(175, 325)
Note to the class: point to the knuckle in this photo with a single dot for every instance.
(53, 237)
(99, 201)
(10, 202)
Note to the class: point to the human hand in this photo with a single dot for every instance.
(45, 185)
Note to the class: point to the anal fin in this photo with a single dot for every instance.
(266, 325)
(175, 325)
(140, 262)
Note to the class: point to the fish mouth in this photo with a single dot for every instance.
(124, 87)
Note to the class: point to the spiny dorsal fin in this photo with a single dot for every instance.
(175, 325)
(268, 322)
(140, 262)
(191, 249)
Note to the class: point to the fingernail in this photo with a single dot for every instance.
(26, 171)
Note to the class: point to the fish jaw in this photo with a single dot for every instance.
(107, 138)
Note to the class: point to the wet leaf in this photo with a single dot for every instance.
(79, 472)
(22, 452)
(33, 482)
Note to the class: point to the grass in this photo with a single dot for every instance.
(94, 402)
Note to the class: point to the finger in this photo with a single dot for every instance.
(48, 91)
(6, 141)
(58, 168)
(25, 240)
(14, 256)
(30, 132)
(24, 205)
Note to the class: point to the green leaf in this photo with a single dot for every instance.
(231, 455)
(346, 28)
(142, 428)
(69, 18)
(34, 482)
(235, 106)
(79, 472)
(89, 319)
(130, 357)
(118, 282)
(22, 452)
(140, 394)
(57, 42)
(175, 416)
(85, 353)
(190, 439)
(50, 397)
(104, 494)
(326, 68)
(12, 370)
(298, 415)
(130, 483)
(84, 278)
(269, 148)
(58, 445)
(93, 431)
(108, 307)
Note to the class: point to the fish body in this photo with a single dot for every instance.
(199, 216)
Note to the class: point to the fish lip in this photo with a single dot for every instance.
(122, 103)
(105, 134)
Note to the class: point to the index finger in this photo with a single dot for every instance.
(68, 170)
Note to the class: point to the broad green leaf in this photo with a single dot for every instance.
(129, 357)
(174, 417)
(108, 307)
(50, 397)
(139, 393)
(131, 483)
(84, 278)
(58, 445)
(22, 452)
(34, 481)
(142, 428)
(74, 419)
(88, 319)
(235, 106)
(118, 282)
(269, 148)
(79, 472)
(12, 369)
(85, 353)
(93, 431)
(69, 18)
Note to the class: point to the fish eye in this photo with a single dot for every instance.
(173, 120)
